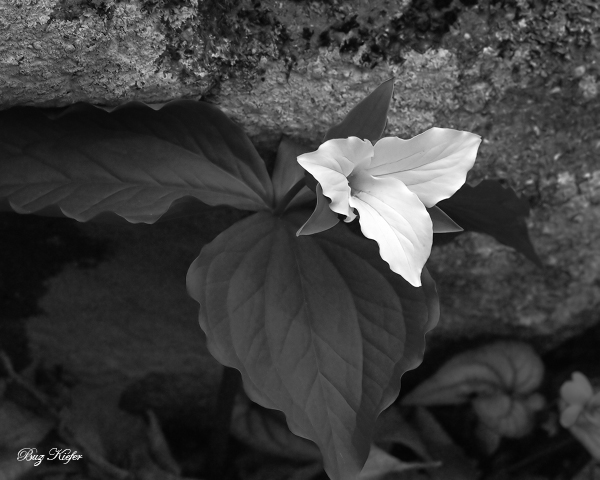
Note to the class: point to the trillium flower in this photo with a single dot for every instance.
(580, 412)
(390, 184)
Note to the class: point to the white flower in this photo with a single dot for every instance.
(580, 412)
(390, 184)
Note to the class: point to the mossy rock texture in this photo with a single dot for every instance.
(524, 74)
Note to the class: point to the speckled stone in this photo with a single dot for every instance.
(49, 58)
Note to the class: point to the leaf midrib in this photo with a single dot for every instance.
(321, 376)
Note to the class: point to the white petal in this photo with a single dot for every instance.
(332, 163)
(396, 219)
(321, 219)
(433, 164)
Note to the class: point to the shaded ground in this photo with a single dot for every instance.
(78, 365)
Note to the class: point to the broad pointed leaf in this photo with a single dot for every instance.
(393, 429)
(266, 431)
(323, 218)
(134, 162)
(442, 223)
(381, 465)
(455, 464)
(512, 367)
(319, 327)
(368, 119)
(498, 379)
(495, 210)
(288, 172)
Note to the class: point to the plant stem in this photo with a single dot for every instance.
(217, 452)
(289, 196)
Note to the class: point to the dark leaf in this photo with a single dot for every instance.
(392, 428)
(442, 223)
(135, 162)
(382, 465)
(266, 431)
(287, 173)
(508, 367)
(368, 119)
(499, 380)
(495, 210)
(455, 464)
(319, 326)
